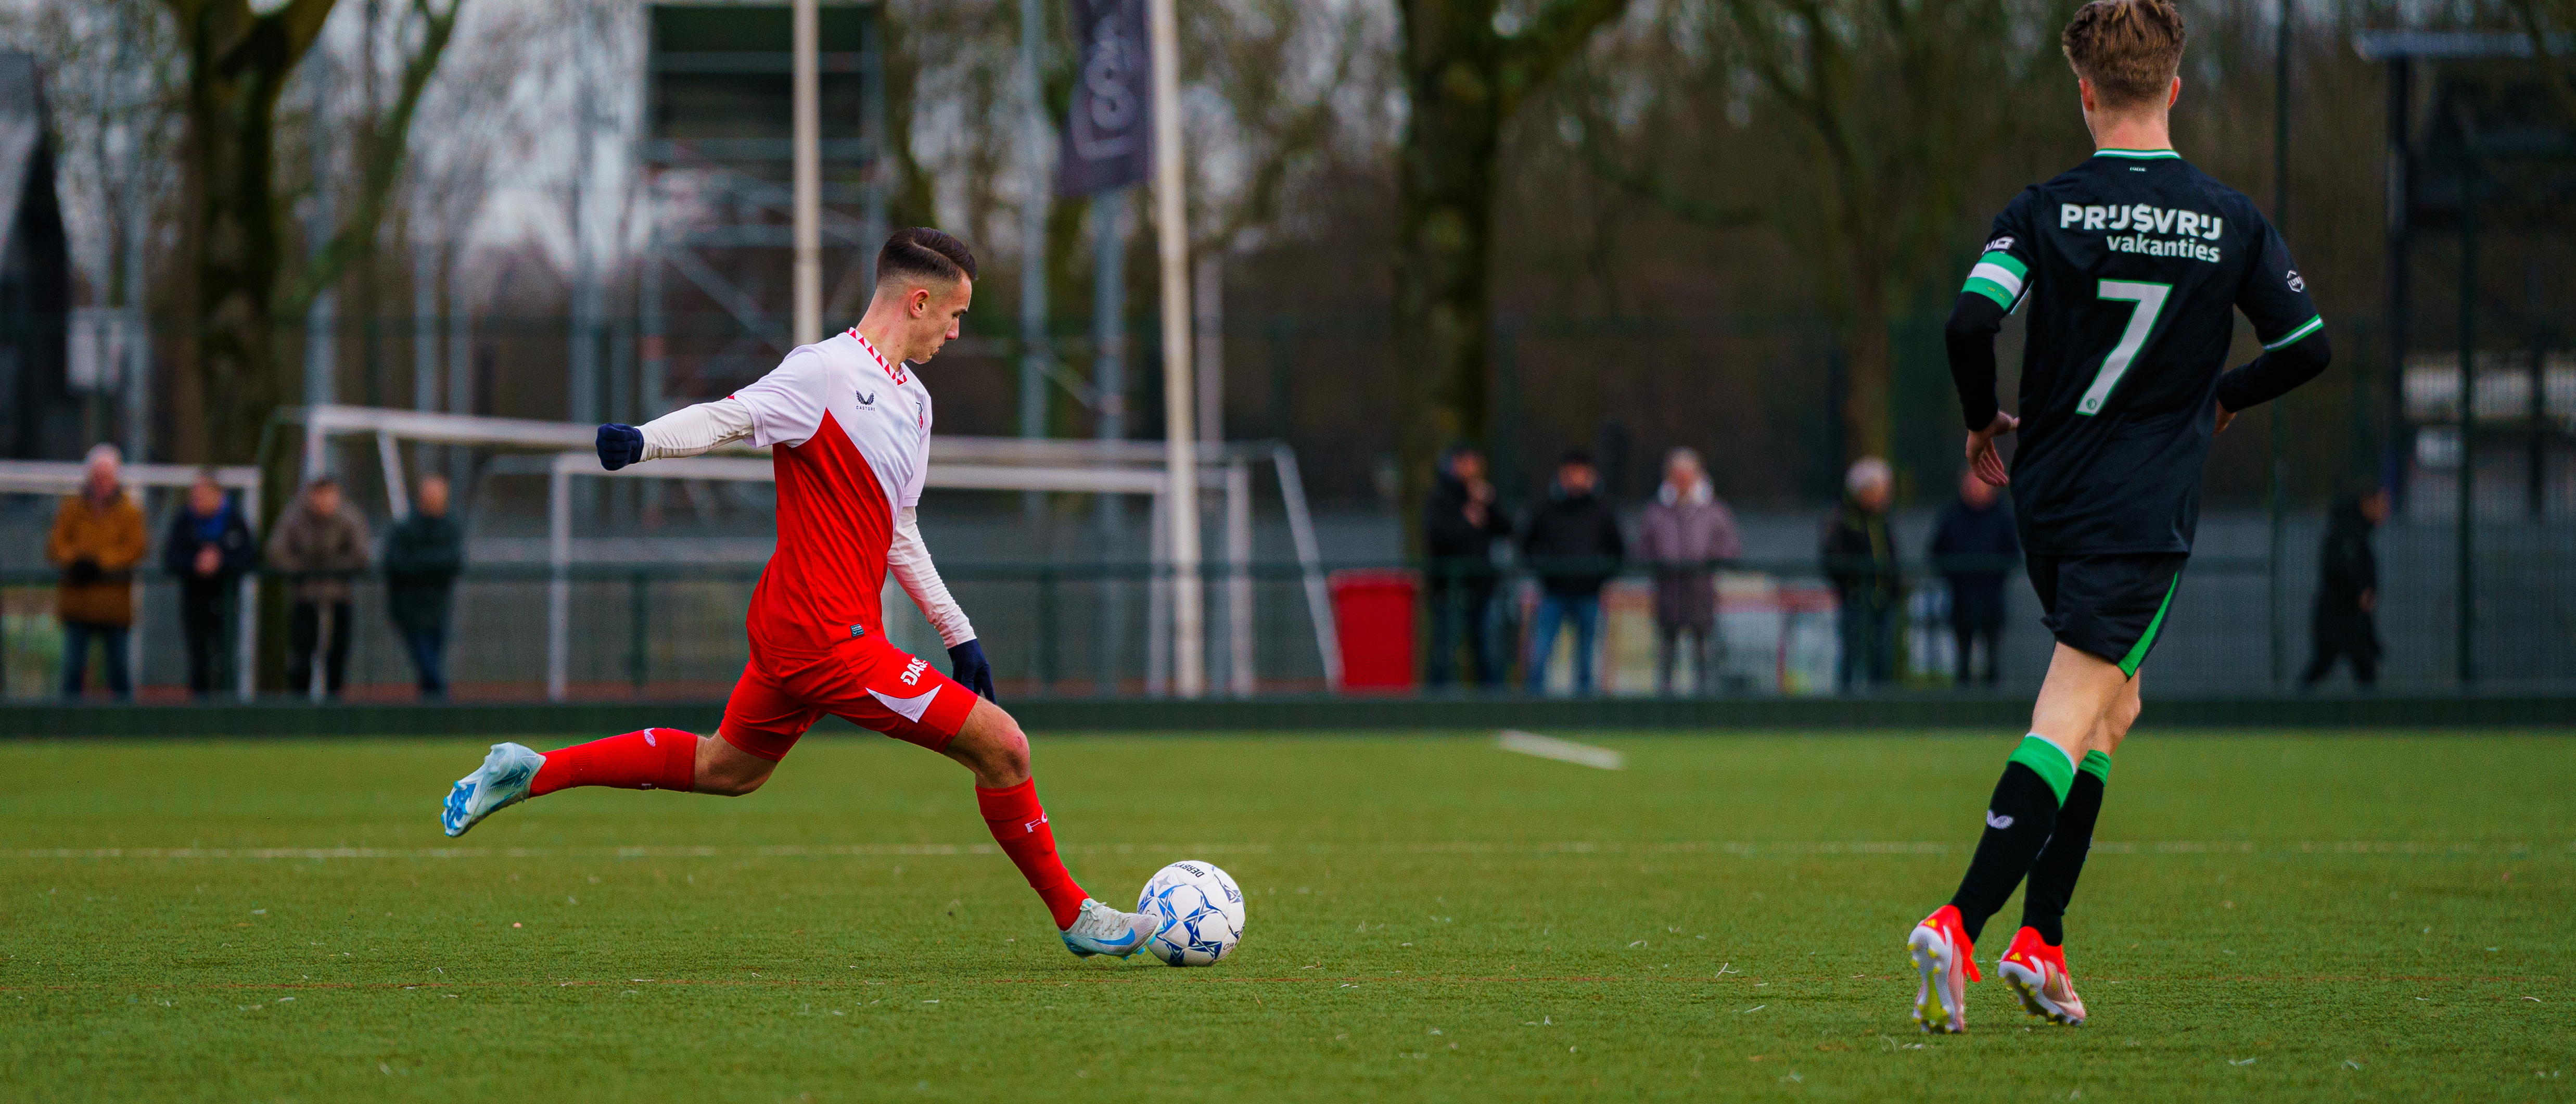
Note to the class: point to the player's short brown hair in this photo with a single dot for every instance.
(922, 253)
(2129, 49)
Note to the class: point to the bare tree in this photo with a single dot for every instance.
(1468, 66)
(1895, 107)
(239, 62)
(117, 86)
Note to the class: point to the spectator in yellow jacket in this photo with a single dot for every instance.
(96, 540)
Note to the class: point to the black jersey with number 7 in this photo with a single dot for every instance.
(2132, 266)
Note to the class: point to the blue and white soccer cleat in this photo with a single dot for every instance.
(502, 781)
(1102, 930)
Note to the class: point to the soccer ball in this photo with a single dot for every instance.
(1198, 913)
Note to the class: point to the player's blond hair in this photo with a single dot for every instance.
(2129, 50)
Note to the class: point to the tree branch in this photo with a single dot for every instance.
(1651, 186)
(1561, 30)
(388, 139)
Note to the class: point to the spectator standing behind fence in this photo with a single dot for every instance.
(2345, 624)
(1460, 525)
(321, 545)
(1574, 547)
(423, 555)
(96, 540)
(1860, 558)
(1684, 532)
(1974, 547)
(207, 549)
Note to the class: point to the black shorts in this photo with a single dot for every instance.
(2108, 606)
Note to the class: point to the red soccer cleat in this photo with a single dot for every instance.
(1946, 957)
(2036, 972)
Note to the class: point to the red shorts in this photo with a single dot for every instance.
(867, 681)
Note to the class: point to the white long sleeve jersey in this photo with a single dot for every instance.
(849, 433)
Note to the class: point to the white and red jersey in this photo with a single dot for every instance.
(849, 434)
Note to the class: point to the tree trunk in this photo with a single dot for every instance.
(239, 64)
(1870, 373)
(1463, 79)
(1445, 189)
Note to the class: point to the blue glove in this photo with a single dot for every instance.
(966, 665)
(620, 445)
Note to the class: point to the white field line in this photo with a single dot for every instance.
(1740, 848)
(1563, 751)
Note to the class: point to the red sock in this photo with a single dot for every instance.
(1020, 826)
(653, 759)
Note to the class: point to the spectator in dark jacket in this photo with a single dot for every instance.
(2345, 625)
(1974, 547)
(1573, 545)
(208, 548)
(423, 555)
(1860, 558)
(1460, 526)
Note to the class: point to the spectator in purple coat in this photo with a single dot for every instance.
(1683, 533)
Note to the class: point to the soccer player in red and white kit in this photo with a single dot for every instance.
(847, 423)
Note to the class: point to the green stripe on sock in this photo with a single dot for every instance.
(2096, 764)
(2137, 655)
(2045, 760)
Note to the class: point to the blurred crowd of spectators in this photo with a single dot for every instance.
(319, 544)
(1571, 542)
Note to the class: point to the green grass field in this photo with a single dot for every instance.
(1431, 919)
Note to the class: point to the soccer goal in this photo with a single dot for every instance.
(956, 463)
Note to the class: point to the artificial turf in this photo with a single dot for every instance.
(1431, 918)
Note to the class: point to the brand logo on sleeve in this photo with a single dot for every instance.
(2297, 283)
(1999, 244)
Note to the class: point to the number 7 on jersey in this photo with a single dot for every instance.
(2149, 300)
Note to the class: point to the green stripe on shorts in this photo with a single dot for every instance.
(2137, 655)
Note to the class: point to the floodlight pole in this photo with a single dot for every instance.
(2276, 427)
(1189, 638)
(2464, 585)
(1033, 244)
(809, 179)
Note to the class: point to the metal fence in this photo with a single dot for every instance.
(675, 631)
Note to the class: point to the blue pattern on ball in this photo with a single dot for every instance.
(1192, 928)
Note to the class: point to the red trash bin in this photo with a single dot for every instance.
(1373, 619)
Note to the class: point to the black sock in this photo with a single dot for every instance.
(2053, 874)
(2019, 818)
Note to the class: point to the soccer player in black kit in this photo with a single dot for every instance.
(2130, 267)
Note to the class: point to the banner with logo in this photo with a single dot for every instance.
(1108, 138)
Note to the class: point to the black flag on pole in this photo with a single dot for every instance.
(1108, 141)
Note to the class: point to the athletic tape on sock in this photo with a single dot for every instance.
(2048, 761)
(2098, 765)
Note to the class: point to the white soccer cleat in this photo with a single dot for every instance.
(1102, 930)
(502, 781)
(1946, 958)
